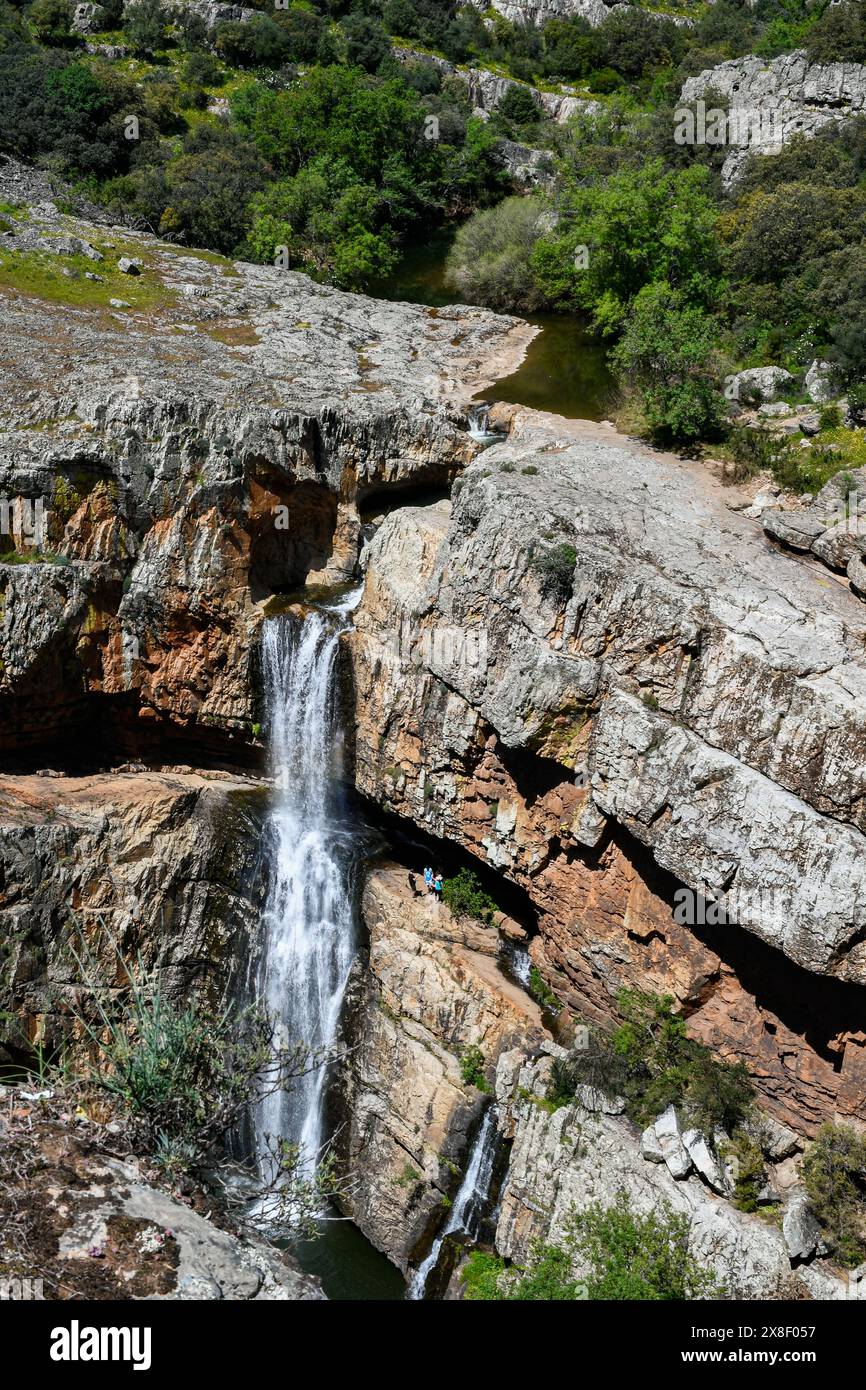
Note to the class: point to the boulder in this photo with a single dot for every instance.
(670, 1141)
(706, 1160)
(819, 382)
(129, 265)
(758, 383)
(800, 1228)
(796, 530)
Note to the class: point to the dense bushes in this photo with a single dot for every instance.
(834, 1172)
(651, 1061)
(626, 1256)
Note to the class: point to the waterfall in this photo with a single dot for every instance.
(470, 1202)
(478, 420)
(309, 930)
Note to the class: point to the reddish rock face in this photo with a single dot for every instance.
(603, 908)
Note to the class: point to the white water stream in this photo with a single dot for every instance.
(309, 921)
(470, 1202)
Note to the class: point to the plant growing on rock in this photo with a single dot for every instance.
(834, 1172)
(183, 1076)
(555, 569)
(650, 1061)
(472, 1067)
(637, 1258)
(626, 1256)
(466, 898)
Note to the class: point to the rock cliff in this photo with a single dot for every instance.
(180, 454)
(777, 100)
(689, 712)
(430, 987)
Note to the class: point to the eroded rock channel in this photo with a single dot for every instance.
(680, 722)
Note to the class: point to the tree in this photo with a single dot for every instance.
(491, 260)
(259, 43)
(209, 187)
(366, 42)
(52, 21)
(667, 353)
(519, 107)
(638, 226)
(144, 27)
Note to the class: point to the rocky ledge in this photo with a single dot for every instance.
(182, 436)
(91, 1223)
(663, 745)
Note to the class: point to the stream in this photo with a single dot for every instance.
(564, 371)
(315, 849)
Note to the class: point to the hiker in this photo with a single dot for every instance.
(428, 879)
(437, 887)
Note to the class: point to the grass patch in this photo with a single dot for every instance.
(40, 274)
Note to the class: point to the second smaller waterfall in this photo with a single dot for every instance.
(470, 1202)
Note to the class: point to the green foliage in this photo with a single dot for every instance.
(472, 1067)
(650, 1061)
(640, 226)
(834, 1173)
(52, 21)
(491, 260)
(466, 898)
(635, 1258)
(750, 1177)
(541, 991)
(627, 1258)
(144, 27)
(667, 353)
(555, 569)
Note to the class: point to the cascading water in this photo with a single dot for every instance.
(478, 418)
(309, 929)
(470, 1202)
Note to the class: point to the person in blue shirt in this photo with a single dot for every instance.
(428, 880)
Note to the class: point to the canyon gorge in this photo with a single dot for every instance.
(237, 461)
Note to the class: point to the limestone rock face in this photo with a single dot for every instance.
(432, 988)
(707, 715)
(538, 12)
(165, 866)
(105, 1230)
(175, 464)
(776, 100)
(565, 1160)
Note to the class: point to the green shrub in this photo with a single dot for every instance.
(834, 1173)
(555, 570)
(627, 1257)
(540, 990)
(636, 1258)
(652, 1063)
(466, 898)
(472, 1067)
(750, 1178)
